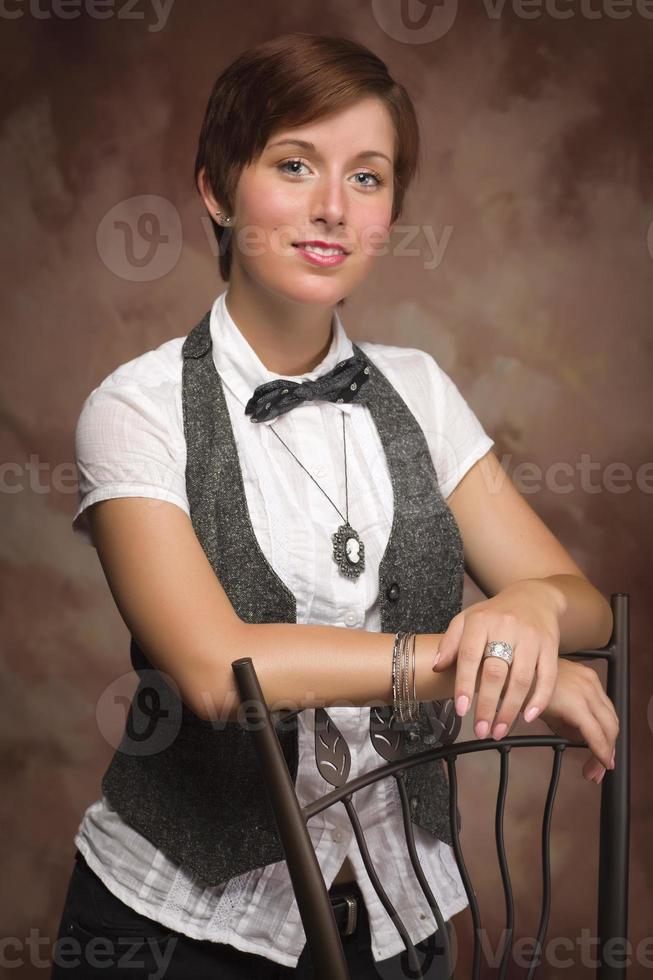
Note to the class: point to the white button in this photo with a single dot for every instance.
(337, 835)
(351, 618)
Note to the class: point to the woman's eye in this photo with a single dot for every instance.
(290, 163)
(376, 177)
(361, 173)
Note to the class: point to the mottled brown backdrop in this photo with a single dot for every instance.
(537, 191)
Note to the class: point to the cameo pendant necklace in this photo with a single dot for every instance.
(348, 549)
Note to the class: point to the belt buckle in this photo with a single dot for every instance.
(352, 914)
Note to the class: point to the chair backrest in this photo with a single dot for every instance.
(308, 884)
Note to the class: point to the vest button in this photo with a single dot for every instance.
(413, 736)
(414, 800)
(393, 592)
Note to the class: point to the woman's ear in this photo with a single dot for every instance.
(206, 193)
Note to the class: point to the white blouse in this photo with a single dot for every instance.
(130, 442)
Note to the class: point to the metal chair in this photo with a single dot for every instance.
(309, 887)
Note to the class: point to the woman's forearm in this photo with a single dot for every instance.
(585, 615)
(305, 666)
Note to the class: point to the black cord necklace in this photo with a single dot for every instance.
(348, 549)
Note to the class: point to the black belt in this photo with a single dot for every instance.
(346, 903)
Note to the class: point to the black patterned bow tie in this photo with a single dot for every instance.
(342, 384)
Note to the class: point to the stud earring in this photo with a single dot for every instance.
(221, 215)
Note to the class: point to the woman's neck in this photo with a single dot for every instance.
(290, 339)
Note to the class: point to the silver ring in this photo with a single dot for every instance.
(500, 649)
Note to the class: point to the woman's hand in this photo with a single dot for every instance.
(580, 710)
(526, 615)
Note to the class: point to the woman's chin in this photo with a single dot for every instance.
(311, 289)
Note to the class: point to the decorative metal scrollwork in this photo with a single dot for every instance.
(387, 739)
(438, 725)
(443, 720)
(331, 750)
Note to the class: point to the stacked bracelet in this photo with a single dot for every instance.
(405, 706)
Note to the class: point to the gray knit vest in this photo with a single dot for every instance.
(192, 786)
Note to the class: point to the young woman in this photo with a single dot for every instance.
(316, 541)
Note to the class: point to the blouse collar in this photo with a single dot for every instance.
(242, 370)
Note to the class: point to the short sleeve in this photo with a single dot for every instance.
(458, 438)
(129, 443)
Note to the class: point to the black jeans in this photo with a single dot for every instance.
(100, 936)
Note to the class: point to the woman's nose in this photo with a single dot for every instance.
(329, 202)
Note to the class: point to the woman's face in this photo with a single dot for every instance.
(339, 190)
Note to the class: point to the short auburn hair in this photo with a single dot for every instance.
(288, 81)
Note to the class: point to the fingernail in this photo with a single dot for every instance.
(500, 731)
(435, 661)
(612, 762)
(531, 713)
(597, 779)
(481, 729)
(462, 704)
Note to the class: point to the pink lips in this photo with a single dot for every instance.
(321, 260)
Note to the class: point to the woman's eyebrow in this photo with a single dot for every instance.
(305, 145)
